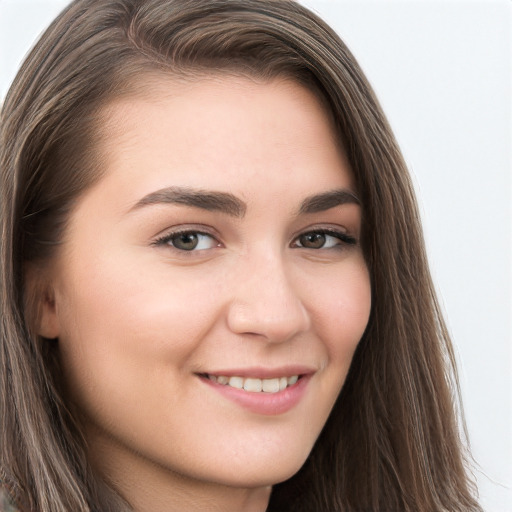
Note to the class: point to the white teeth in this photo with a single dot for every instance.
(270, 385)
(236, 382)
(292, 380)
(255, 385)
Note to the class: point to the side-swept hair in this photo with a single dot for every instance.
(392, 442)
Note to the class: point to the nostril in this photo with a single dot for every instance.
(275, 324)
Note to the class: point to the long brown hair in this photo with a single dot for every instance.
(392, 442)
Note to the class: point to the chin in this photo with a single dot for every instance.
(262, 474)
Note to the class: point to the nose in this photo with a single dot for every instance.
(265, 302)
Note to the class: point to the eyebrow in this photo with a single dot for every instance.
(231, 205)
(203, 199)
(327, 200)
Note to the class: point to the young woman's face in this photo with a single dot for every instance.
(211, 288)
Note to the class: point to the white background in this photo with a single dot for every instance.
(443, 72)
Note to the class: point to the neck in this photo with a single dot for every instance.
(204, 498)
(148, 486)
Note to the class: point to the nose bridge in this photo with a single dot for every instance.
(265, 301)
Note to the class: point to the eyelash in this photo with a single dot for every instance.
(342, 237)
(345, 239)
(168, 238)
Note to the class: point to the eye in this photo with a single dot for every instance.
(188, 241)
(324, 239)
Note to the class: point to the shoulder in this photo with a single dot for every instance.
(7, 502)
(9, 495)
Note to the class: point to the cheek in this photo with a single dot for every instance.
(341, 313)
(341, 309)
(117, 320)
(119, 293)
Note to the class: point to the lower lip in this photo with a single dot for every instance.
(269, 404)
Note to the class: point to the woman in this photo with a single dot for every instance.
(215, 293)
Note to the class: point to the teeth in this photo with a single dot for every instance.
(236, 382)
(270, 385)
(292, 380)
(255, 385)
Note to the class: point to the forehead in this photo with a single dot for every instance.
(217, 130)
(192, 97)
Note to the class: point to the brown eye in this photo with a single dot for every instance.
(188, 241)
(185, 241)
(324, 239)
(312, 240)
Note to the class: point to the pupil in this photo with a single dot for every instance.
(186, 241)
(313, 240)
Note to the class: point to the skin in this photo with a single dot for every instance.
(138, 320)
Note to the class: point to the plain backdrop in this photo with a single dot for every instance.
(443, 73)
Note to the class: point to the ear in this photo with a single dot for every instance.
(48, 321)
(40, 303)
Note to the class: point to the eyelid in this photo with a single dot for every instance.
(165, 236)
(162, 240)
(340, 232)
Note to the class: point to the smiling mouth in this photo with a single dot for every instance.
(253, 384)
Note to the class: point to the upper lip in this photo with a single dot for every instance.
(264, 373)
